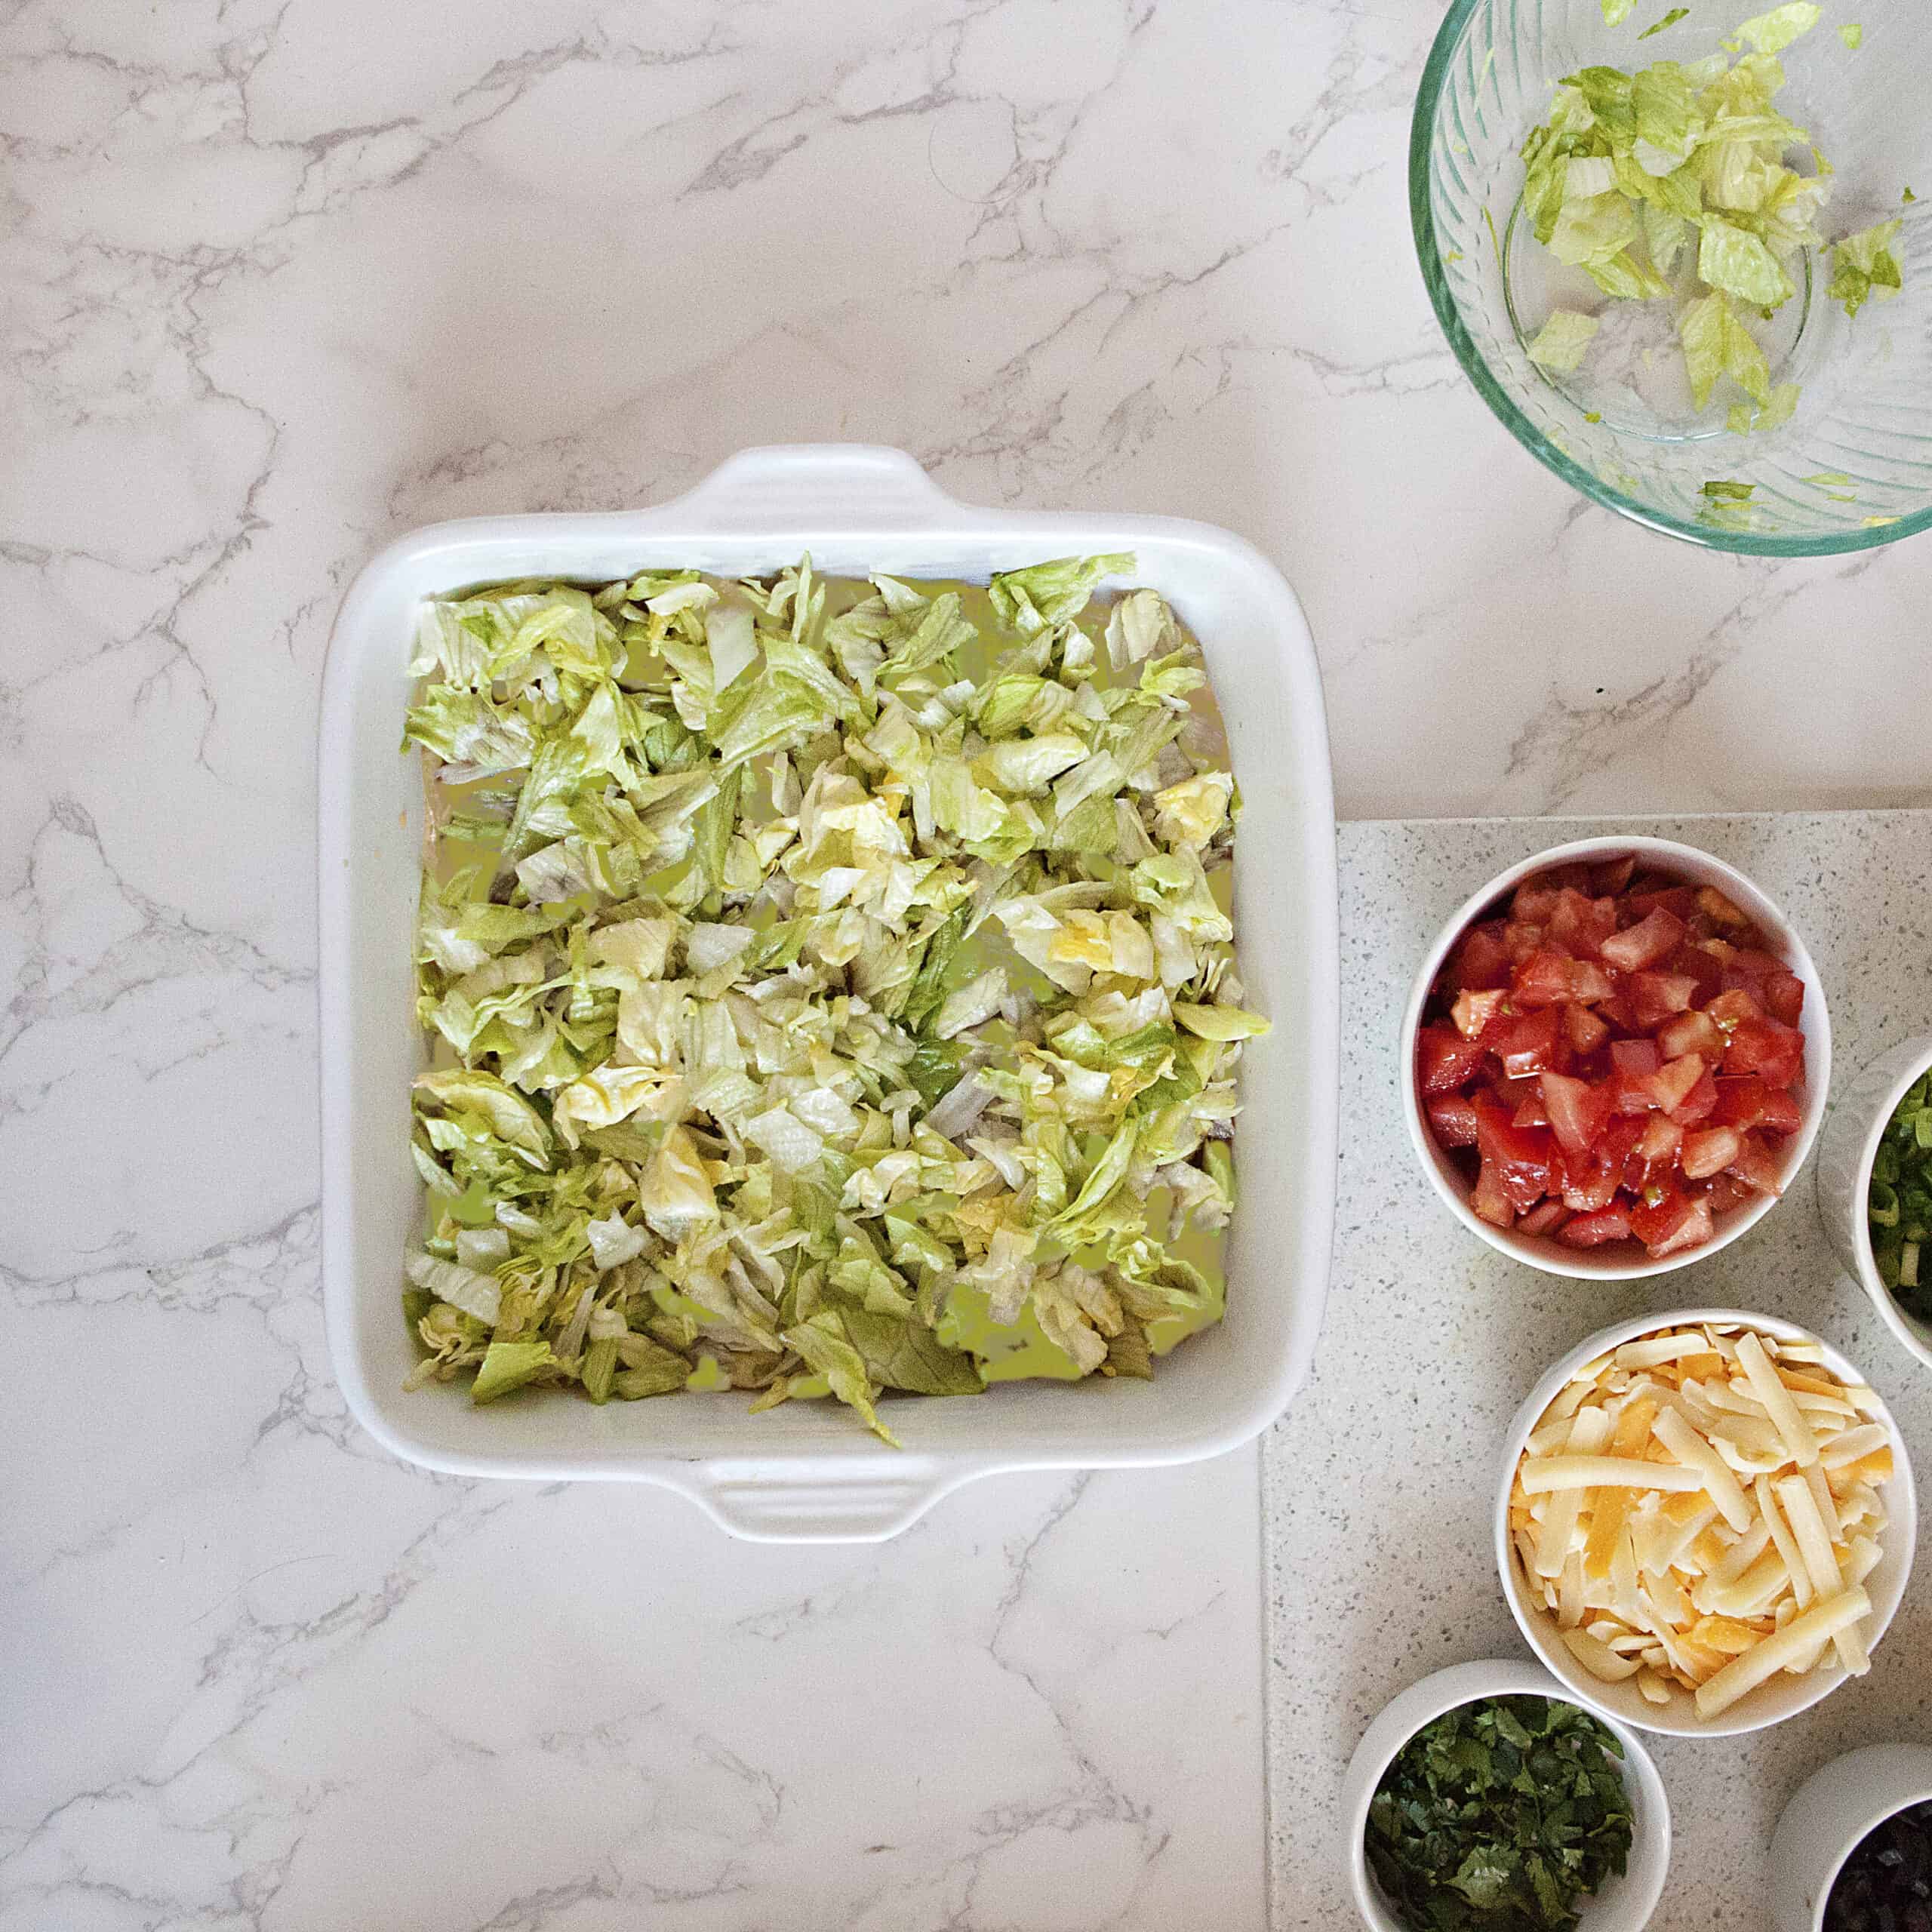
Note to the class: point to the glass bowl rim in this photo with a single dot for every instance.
(1429, 254)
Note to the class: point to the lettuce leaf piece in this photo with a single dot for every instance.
(902, 1352)
(1715, 344)
(508, 1365)
(1045, 595)
(1616, 12)
(1560, 343)
(1865, 268)
(1738, 262)
(1774, 32)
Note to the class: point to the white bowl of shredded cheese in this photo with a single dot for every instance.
(1704, 1520)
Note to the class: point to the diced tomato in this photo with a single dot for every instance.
(1576, 1111)
(1638, 1057)
(1616, 1011)
(1656, 997)
(1545, 1218)
(1488, 1199)
(1620, 1049)
(1709, 1151)
(1528, 1044)
(1535, 902)
(1587, 1032)
(1758, 1166)
(1733, 1006)
(1452, 1121)
(1654, 1160)
(1695, 963)
(1581, 925)
(1691, 1033)
(1651, 894)
(1755, 964)
(1671, 1084)
(1607, 1224)
(1698, 1103)
(1728, 1191)
(1445, 1059)
(1745, 1100)
(1544, 978)
(1692, 1231)
(1481, 962)
(1520, 1155)
(1765, 1047)
(1655, 938)
(1660, 1215)
(1473, 1011)
(1520, 940)
(1717, 908)
(1784, 996)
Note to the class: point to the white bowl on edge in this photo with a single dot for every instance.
(1827, 1819)
(1785, 1696)
(1698, 868)
(1624, 1905)
(1846, 1149)
(799, 1473)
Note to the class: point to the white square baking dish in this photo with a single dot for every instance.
(803, 1472)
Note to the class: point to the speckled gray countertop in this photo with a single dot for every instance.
(1379, 1480)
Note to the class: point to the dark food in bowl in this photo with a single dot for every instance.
(1613, 1056)
(1886, 1884)
(1500, 1815)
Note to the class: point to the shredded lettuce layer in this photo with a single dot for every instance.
(827, 984)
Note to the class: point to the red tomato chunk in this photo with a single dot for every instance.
(1613, 1056)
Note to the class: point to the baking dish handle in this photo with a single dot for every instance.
(774, 1501)
(784, 487)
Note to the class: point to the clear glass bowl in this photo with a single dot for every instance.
(1852, 468)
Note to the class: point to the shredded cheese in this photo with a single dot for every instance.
(1698, 1511)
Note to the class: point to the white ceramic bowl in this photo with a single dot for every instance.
(1622, 1261)
(1827, 1819)
(1624, 1905)
(1785, 1696)
(1847, 1149)
(800, 1473)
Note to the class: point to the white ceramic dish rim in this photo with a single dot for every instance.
(1915, 1055)
(1550, 1255)
(815, 1477)
(1625, 1908)
(1903, 1773)
(1622, 1701)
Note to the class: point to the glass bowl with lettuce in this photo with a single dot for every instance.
(830, 987)
(1680, 250)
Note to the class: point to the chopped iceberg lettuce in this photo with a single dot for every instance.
(829, 986)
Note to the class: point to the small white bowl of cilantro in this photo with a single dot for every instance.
(1682, 254)
(1874, 1189)
(1441, 1835)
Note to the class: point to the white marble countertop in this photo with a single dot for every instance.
(283, 277)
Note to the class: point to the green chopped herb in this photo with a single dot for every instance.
(1722, 489)
(1853, 34)
(1899, 1204)
(1826, 476)
(1909, 197)
(1670, 19)
(1616, 12)
(1499, 1816)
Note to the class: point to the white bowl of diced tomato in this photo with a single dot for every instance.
(1615, 1058)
